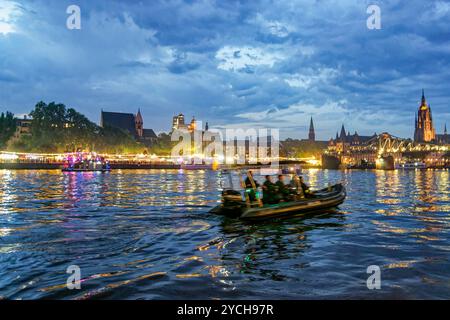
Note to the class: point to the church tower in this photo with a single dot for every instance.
(139, 122)
(312, 134)
(343, 135)
(424, 129)
(193, 125)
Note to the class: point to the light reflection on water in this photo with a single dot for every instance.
(148, 234)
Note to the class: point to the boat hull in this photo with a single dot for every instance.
(323, 200)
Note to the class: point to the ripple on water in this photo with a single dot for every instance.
(146, 234)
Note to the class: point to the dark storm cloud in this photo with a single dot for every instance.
(237, 63)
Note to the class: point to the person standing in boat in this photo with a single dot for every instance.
(269, 191)
(251, 186)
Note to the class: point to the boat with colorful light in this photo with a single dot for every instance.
(85, 162)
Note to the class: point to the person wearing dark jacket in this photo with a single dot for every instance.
(269, 191)
(251, 186)
(249, 179)
(305, 188)
(283, 190)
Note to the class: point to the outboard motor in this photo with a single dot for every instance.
(231, 198)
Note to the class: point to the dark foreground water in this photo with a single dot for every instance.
(148, 235)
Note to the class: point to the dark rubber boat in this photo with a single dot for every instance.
(233, 205)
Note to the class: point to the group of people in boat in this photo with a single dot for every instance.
(279, 191)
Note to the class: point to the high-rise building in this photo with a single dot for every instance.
(178, 122)
(424, 129)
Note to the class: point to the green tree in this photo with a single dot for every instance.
(7, 128)
(55, 128)
(163, 145)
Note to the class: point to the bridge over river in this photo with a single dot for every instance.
(386, 152)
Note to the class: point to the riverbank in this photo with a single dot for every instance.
(165, 166)
(56, 166)
(132, 165)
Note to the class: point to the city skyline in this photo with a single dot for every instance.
(278, 73)
(310, 135)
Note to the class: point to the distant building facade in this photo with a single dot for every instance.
(133, 124)
(443, 138)
(352, 147)
(178, 123)
(344, 140)
(23, 127)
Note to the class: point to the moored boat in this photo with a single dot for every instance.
(196, 166)
(412, 165)
(85, 162)
(85, 170)
(233, 206)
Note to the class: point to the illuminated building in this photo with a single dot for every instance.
(424, 129)
(344, 141)
(193, 125)
(179, 124)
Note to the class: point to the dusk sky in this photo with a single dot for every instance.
(270, 64)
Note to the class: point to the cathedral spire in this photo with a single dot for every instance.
(343, 134)
(312, 133)
(423, 103)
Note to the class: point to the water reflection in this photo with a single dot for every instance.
(147, 234)
(261, 243)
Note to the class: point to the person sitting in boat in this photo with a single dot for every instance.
(251, 185)
(305, 188)
(282, 189)
(296, 188)
(269, 191)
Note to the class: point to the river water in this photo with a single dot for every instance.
(148, 235)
